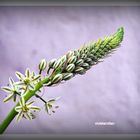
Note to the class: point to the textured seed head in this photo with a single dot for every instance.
(70, 67)
(67, 76)
(57, 78)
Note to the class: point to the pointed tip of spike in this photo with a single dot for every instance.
(121, 30)
(120, 34)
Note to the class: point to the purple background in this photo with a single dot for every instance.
(109, 91)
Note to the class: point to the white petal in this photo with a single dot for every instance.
(20, 76)
(34, 108)
(30, 103)
(36, 77)
(47, 109)
(18, 108)
(19, 116)
(19, 83)
(51, 101)
(6, 89)
(57, 98)
(33, 74)
(28, 116)
(27, 73)
(11, 81)
(8, 97)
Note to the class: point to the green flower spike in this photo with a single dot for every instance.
(12, 89)
(29, 80)
(81, 60)
(76, 62)
(25, 110)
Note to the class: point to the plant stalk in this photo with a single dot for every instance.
(5, 123)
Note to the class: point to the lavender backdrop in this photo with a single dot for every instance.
(109, 91)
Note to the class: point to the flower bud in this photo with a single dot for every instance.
(86, 51)
(70, 67)
(77, 54)
(85, 65)
(79, 62)
(80, 70)
(47, 84)
(83, 56)
(88, 60)
(67, 76)
(91, 55)
(63, 59)
(93, 63)
(57, 64)
(70, 53)
(42, 65)
(57, 78)
(51, 63)
(81, 51)
(72, 59)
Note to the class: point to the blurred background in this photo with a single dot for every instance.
(109, 92)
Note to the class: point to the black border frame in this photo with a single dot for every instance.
(70, 3)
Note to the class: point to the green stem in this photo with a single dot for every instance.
(13, 113)
(37, 96)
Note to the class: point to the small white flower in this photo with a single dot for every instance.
(25, 109)
(49, 105)
(28, 80)
(12, 89)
